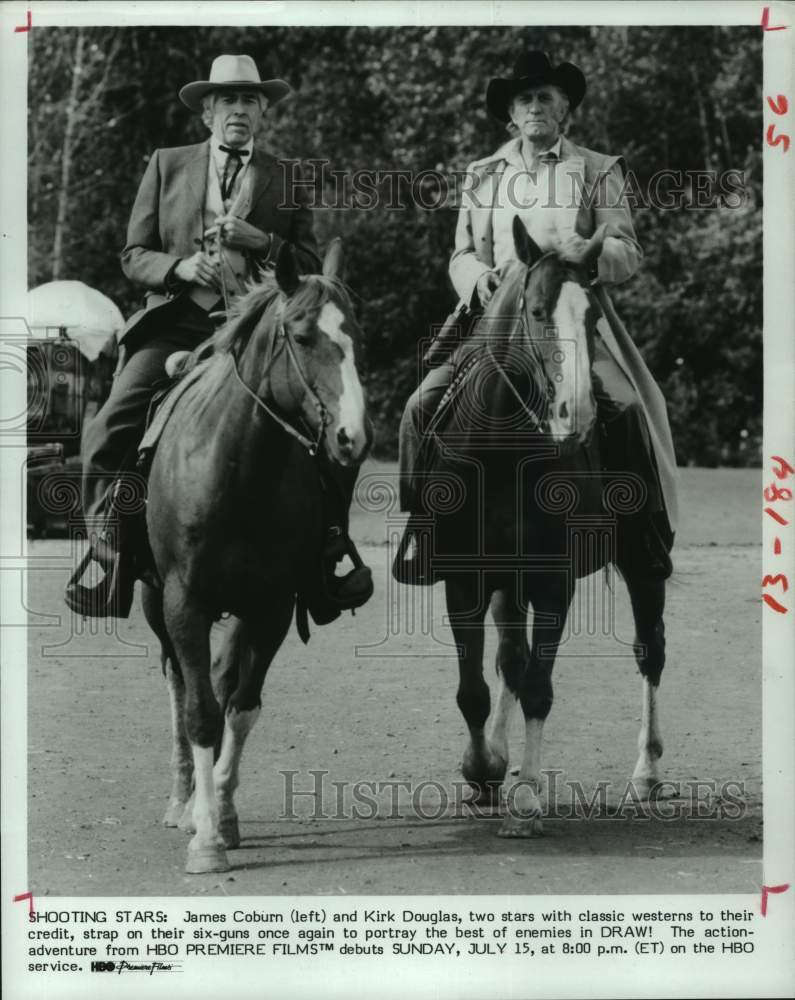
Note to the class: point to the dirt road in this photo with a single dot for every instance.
(371, 699)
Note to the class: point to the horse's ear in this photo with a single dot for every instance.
(287, 269)
(334, 261)
(527, 250)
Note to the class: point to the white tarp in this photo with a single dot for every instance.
(89, 316)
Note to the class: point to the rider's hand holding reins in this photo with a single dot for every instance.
(487, 285)
(577, 250)
(198, 270)
(239, 234)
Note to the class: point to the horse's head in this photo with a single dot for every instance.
(560, 316)
(319, 376)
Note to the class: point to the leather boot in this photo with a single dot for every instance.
(644, 539)
(644, 547)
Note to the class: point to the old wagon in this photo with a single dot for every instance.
(71, 357)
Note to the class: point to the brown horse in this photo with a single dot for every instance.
(540, 511)
(235, 523)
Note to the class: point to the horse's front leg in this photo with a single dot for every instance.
(245, 656)
(181, 754)
(513, 653)
(648, 603)
(483, 767)
(238, 723)
(189, 630)
(531, 678)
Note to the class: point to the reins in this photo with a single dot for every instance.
(281, 334)
(311, 446)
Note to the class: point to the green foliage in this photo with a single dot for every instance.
(412, 99)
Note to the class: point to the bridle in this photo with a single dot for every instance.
(539, 361)
(281, 334)
(282, 338)
(528, 272)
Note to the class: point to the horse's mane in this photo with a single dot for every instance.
(504, 333)
(313, 292)
(503, 315)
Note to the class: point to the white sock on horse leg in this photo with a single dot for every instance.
(237, 726)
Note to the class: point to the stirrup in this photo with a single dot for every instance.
(355, 588)
(416, 571)
(333, 595)
(338, 545)
(112, 597)
(352, 590)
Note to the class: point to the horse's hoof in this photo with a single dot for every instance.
(230, 832)
(646, 789)
(174, 814)
(521, 826)
(203, 860)
(487, 794)
(484, 773)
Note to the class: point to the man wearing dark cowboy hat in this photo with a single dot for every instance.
(205, 219)
(568, 197)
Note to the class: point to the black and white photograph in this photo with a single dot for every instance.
(398, 469)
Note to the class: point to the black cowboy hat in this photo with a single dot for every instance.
(533, 69)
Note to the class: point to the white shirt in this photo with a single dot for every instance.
(235, 263)
(542, 198)
(218, 164)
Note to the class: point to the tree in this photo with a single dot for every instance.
(412, 99)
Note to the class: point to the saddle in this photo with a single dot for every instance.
(121, 546)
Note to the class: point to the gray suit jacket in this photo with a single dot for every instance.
(167, 220)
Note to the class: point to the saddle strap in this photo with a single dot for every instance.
(302, 620)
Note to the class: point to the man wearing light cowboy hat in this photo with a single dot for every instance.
(205, 219)
(554, 186)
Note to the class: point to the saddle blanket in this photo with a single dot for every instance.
(160, 410)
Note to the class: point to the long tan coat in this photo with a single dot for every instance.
(620, 259)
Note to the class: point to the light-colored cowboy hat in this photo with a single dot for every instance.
(232, 73)
(533, 69)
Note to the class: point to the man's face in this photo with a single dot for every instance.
(235, 116)
(538, 112)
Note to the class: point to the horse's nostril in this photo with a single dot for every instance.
(342, 437)
(537, 313)
(563, 411)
